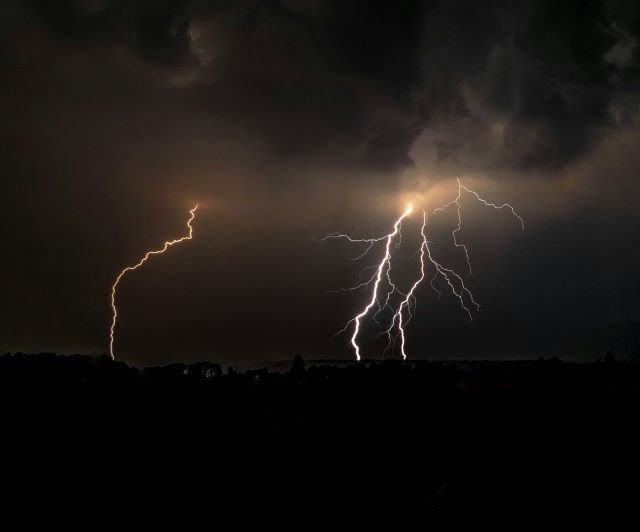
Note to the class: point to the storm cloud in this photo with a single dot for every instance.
(361, 80)
(297, 117)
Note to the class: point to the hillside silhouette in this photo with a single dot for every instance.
(497, 439)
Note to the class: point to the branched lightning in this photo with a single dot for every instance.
(144, 259)
(406, 302)
(404, 312)
(384, 263)
(458, 227)
(497, 207)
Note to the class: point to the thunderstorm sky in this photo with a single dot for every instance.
(291, 119)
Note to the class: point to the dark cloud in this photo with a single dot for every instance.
(310, 79)
(538, 72)
(360, 80)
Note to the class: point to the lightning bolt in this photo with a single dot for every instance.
(497, 207)
(458, 227)
(406, 302)
(404, 312)
(376, 278)
(144, 259)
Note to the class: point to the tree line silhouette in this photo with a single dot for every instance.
(60, 371)
(483, 440)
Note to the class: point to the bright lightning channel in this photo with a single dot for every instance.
(406, 302)
(376, 278)
(144, 259)
(404, 312)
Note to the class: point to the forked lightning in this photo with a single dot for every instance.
(404, 311)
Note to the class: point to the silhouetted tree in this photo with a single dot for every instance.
(297, 367)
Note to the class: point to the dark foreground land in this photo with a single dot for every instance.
(486, 442)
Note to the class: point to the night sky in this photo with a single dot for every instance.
(287, 120)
